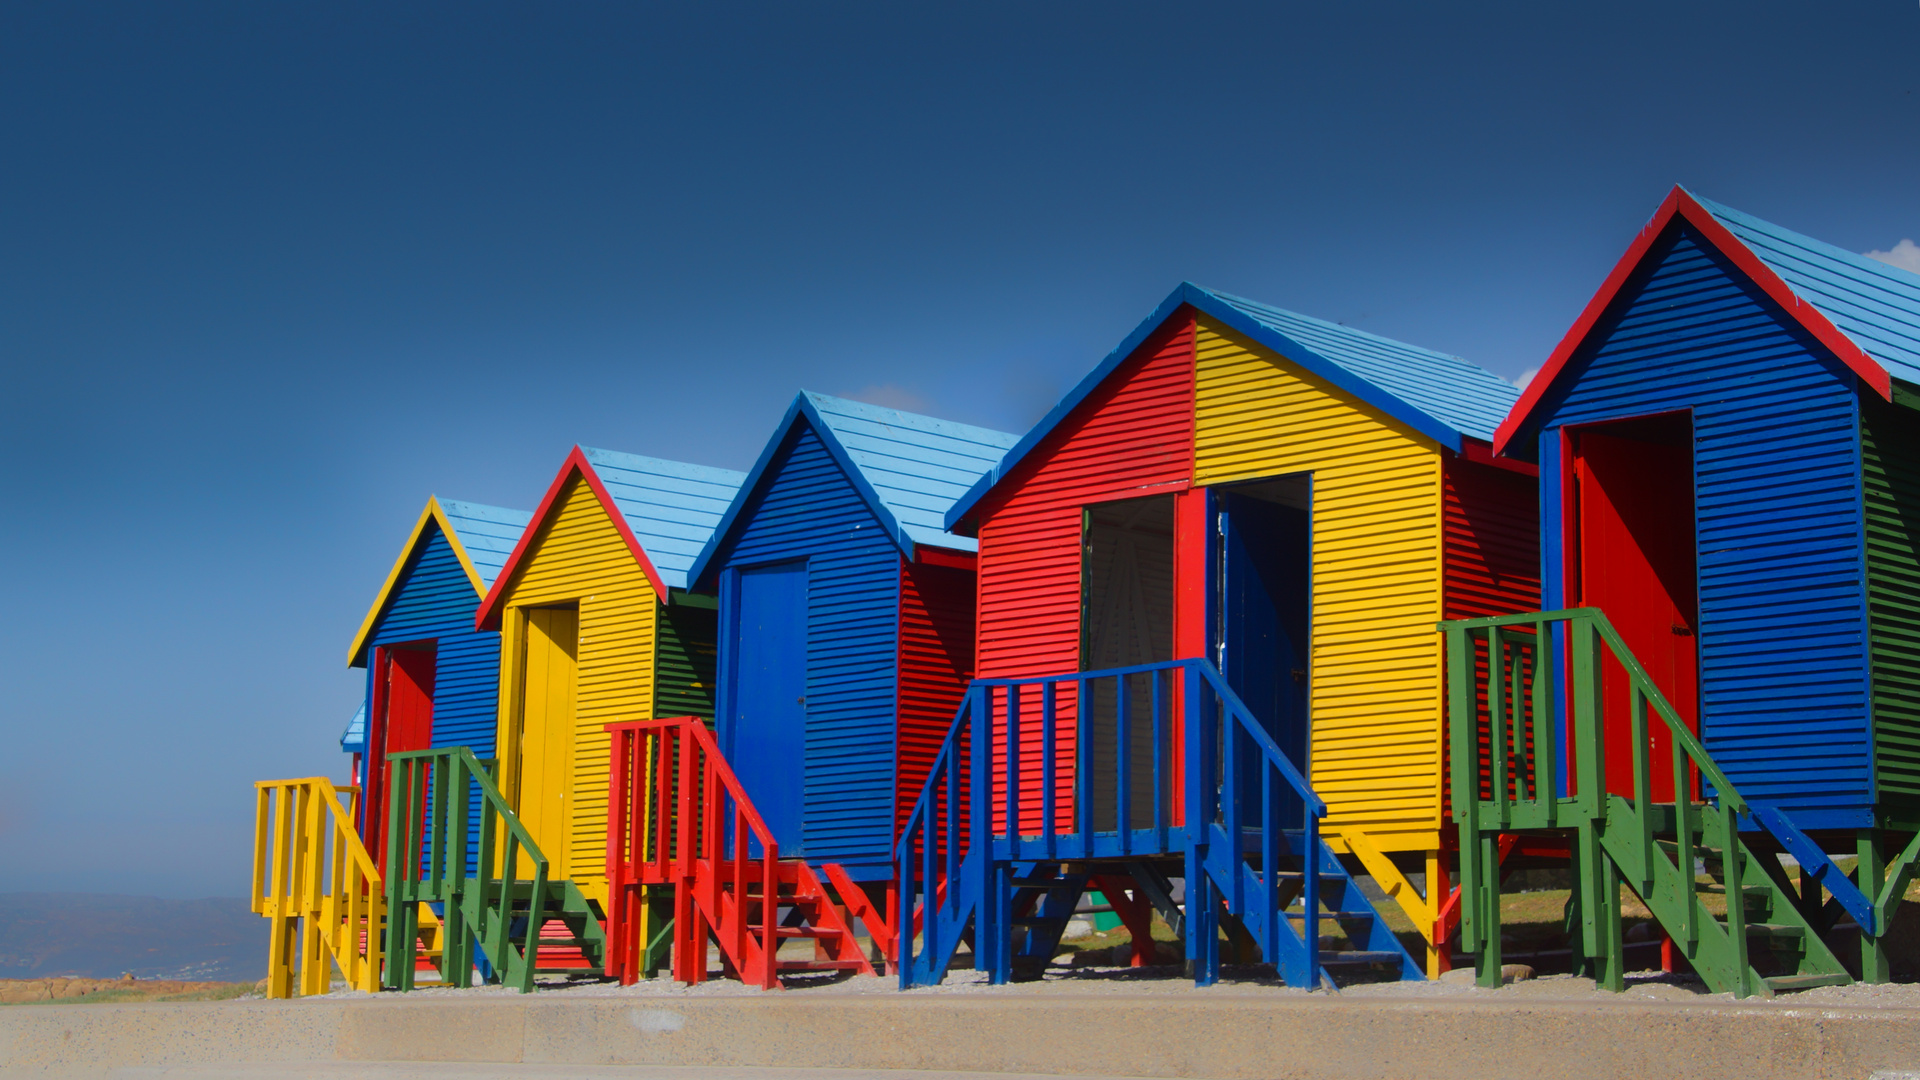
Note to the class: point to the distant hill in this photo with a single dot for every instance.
(101, 936)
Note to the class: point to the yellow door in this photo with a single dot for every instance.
(546, 732)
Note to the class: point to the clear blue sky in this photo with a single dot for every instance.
(270, 274)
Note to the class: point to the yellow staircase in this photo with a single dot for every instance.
(316, 883)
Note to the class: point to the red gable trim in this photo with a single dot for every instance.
(1679, 203)
(488, 617)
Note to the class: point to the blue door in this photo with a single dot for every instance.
(767, 731)
(1264, 574)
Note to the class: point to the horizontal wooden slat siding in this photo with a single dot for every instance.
(1374, 685)
(936, 662)
(578, 556)
(1783, 652)
(1132, 436)
(1890, 453)
(807, 507)
(683, 673)
(434, 600)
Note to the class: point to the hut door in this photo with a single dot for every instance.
(1263, 578)
(547, 730)
(404, 710)
(1633, 500)
(767, 733)
(1127, 618)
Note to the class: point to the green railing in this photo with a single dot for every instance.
(1504, 741)
(468, 852)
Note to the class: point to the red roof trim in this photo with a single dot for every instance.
(956, 560)
(1679, 203)
(488, 617)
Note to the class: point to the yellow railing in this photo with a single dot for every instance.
(313, 878)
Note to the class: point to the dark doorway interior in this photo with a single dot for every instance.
(1633, 558)
(1127, 619)
(1263, 579)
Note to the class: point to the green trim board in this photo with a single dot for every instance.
(1890, 483)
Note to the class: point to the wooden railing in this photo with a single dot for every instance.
(314, 880)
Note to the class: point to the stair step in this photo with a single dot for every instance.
(1044, 883)
(807, 932)
(1380, 956)
(1806, 982)
(820, 965)
(1777, 929)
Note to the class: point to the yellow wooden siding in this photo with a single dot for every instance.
(579, 557)
(1375, 693)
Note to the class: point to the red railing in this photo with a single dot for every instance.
(674, 810)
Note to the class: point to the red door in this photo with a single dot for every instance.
(403, 707)
(1633, 498)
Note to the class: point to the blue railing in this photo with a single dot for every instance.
(1118, 763)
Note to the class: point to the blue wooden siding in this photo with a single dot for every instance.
(434, 601)
(1783, 668)
(807, 507)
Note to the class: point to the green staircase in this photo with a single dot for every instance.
(1731, 912)
(475, 864)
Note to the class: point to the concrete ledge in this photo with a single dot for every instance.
(1211, 1034)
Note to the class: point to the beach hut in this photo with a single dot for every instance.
(431, 676)
(597, 626)
(1727, 444)
(846, 621)
(1295, 502)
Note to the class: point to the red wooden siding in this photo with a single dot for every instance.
(1132, 436)
(1492, 553)
(936, 662)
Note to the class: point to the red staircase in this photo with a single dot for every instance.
(678, 820)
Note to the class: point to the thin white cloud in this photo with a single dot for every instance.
(1905, 255)
(1521, 380)
(892, 396)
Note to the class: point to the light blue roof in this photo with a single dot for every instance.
(488, 533)
(1443, 397)
(1876, 305)
(354, 739)
(672, 507)
(909, 468)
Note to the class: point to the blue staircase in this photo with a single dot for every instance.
(1033, 795)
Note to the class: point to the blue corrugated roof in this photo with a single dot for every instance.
(354, 739)
(672, 507)
(1876, 305)
(487, 533)
(909, 468)
(1443, 397)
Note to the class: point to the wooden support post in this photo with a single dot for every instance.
(1487, 903)
(1439, 952)
(1871, 877)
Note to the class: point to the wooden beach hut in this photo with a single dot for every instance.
(431, 676)
(1296, 502)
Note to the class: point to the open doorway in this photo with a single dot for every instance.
(403, 721)
(1262, 599)
(1632, 556)
(1127, 563)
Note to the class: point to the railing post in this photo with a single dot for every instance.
(1012, 753)
(1202, 954)
(1048, 826)
(1584, 697)
(988, 933)
(1546, 736)
(1123, 759)
(1310, 897)
(1736, 892)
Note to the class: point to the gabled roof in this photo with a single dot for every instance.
(664, 510)
(907, 467)
(1866, 312)
(480, 537)
(1443, 397)
(354, 739)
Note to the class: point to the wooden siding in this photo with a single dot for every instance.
(936, 661)
(578, 556)
(1374, 685)
(683, 671)
(1783, 659)
(807, 507)
(434, 601)
(1132, 436)
(1890, 476)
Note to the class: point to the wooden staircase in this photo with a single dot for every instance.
(1674, 839)
(315, 882)
(473, 858)
(1005, 844)
(682, 831)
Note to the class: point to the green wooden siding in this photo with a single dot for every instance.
(683, 673)
(1890, 477)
